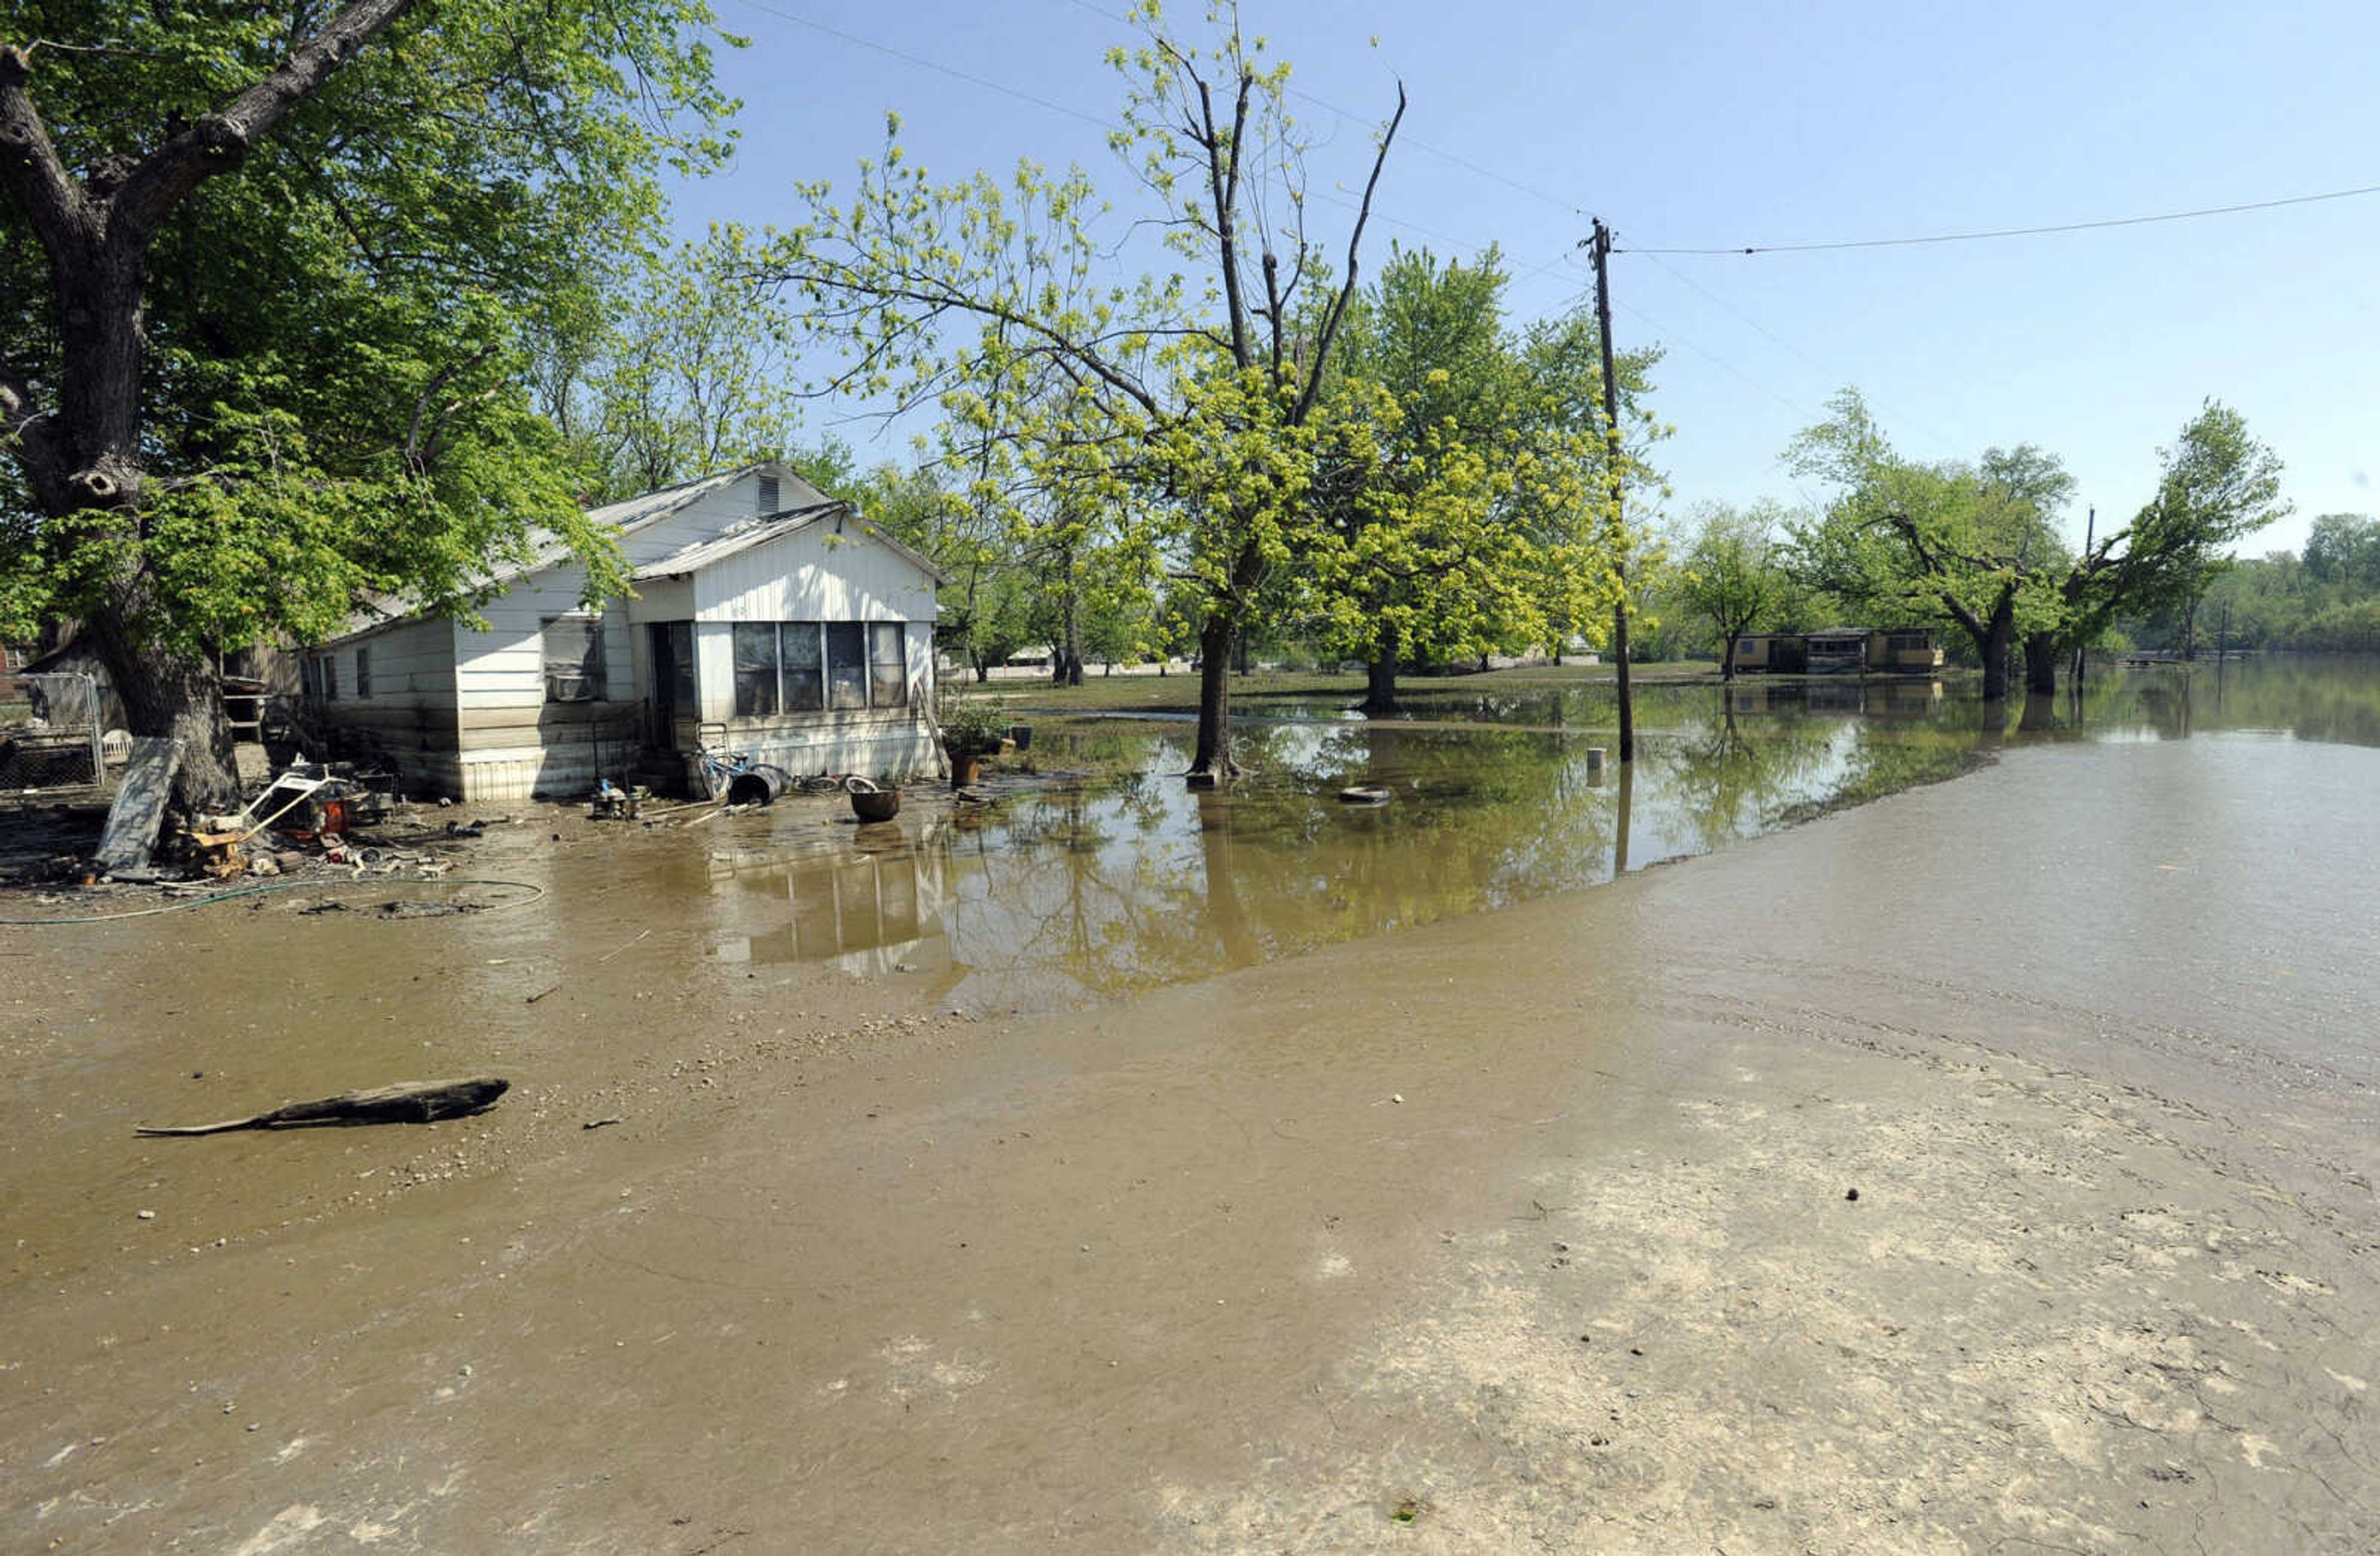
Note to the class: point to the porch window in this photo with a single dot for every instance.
(812, 666)
(574, 658)
(888, 665)
(756, 669)
(803, 654)
(847, 665)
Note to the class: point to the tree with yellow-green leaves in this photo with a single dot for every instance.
(1187, 408)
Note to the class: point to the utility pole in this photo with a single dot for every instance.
(2090, 529)
(1617, 482)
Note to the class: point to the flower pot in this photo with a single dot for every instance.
(1022, 735)
(875, 805)
(964, 769)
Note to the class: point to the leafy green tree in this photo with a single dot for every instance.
(685, 373)
(2219, 485)
(1573, 477)
(1730, 575)
(1417, 556)
(266, 272)
(2344, 547)
(1183, 405)
(1976, 543)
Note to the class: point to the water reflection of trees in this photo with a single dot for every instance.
(2327, 698)
(1117, 887)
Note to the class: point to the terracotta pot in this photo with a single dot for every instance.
(964, 769)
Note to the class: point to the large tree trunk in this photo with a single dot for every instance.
(176, 695)
(1727, 657)
(95, 479)
(2041, 663)
(1995, 640)
(84, 462)
(1380, 673)
(1213, 763)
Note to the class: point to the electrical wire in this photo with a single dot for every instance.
(988, 84)
(1984, 235)
(534, 890)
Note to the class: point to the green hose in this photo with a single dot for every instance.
(535, 893)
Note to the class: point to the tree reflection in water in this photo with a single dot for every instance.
(1092, 891)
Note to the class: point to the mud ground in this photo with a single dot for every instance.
(1533, 1228)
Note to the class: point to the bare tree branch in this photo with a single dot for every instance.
(1355, 246)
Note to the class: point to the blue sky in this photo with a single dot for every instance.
(1695, 123)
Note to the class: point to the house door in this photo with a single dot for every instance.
(669, 695)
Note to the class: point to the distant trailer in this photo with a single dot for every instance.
(1838, 651)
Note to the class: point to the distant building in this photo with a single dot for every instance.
(1831, 651)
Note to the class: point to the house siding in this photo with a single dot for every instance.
(814, 574)
(462, 709)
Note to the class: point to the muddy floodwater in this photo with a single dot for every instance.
(1967, 1143)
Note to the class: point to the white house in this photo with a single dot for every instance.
(766, 619)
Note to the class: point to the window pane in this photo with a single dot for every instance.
(363, 672)
(756, 669)
(573, 659)
(846, 665)
(805, 666)
(681, 650)
(887, 670)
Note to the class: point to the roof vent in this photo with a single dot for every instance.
(768, 496)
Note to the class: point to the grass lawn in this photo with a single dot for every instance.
(1178, 693)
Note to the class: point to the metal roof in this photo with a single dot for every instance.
(379, 611)
(776, 527)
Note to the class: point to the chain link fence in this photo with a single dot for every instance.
(49, 734)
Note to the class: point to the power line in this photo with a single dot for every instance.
(1662, 331)
(1803, 356)
(2019, 232)
(924, 64)
(1456, 158)
(988, 84)
(1556, 263)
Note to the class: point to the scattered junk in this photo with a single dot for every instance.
(407, 1102)
(133, 822)
(50, 734)
(308, 803)
(872, 802)
(735, 777)
(612, 803)
(759, 784)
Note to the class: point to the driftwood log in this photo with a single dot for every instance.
(407, 1102)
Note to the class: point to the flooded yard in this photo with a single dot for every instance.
(1121, 1167)
(1091, 890)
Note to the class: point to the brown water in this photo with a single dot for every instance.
(1532, 1223)
(1098, 891)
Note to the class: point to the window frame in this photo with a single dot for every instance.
(897, 667)
(744, 672)
(882, 683)
(591, 673)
